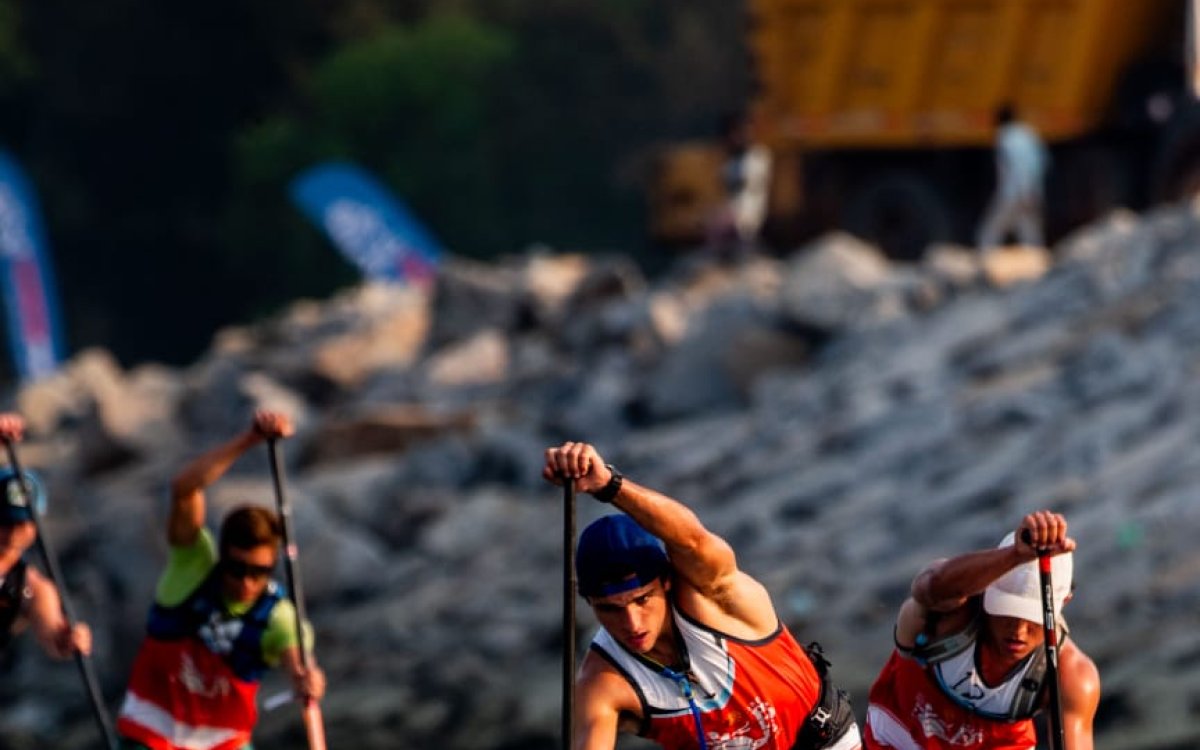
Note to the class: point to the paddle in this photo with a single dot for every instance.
(52, 571)
(1050, 642)
(314, 726)
(568, 593)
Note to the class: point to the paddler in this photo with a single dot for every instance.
(690, 652)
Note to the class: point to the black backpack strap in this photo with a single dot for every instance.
(930, 650)
(1031, 693)
(14, 593)
(832, 715)
(1028, 696)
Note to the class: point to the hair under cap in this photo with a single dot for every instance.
(14, 508)
(615, 554)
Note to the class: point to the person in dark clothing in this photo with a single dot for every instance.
(27, 598)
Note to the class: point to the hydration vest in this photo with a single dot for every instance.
(202, 615)
(195, 679)
(13, 594)
(935, 655)
(727, 692)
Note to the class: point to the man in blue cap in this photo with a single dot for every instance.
(28, 598)
(691, 653)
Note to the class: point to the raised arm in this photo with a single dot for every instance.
(945, 586)
(187, 488)
(704, 559)
(701, 560)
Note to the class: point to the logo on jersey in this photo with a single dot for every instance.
(194, 682)
(219, 634)
(747, 735)
(932, 725)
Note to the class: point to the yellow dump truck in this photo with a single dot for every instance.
(879, 114)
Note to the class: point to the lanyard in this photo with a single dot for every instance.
(685, 687)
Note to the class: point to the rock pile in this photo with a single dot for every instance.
(840, 419)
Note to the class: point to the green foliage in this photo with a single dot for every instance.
(435, 74)
(162, 137)
(414, 104)
(15, 64)
(275, 256)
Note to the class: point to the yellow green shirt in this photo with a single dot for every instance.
(188, 566)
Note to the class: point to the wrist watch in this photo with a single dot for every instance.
(608, 492)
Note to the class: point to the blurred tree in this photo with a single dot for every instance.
(128, 139)
(409, 104)
(162, 136)
(16, 66)
(417, 104)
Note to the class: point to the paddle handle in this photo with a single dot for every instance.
(1050, 633)
(1050, 643)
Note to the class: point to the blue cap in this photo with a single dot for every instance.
(14, 509)
(615, 555)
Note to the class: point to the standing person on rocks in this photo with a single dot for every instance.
(27, 597)
(691, 653)
(218, 621)
(734, 230)
(969, 667)
(1021, 164)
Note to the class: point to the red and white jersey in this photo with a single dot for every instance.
(910, 708)
(752, 695)
(182, 696)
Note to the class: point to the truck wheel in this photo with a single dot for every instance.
(901, 212)
(1177, 165)
(1087, 181)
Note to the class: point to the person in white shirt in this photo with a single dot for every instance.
(1021, 164)
(746, 176)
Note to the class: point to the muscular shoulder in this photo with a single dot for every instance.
(740, 607)
(280, 632)
(915, 618)
(600, 686)
(1080, 680)
(606, 703)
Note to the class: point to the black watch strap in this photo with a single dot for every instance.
(608, 492)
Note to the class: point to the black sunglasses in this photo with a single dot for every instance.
(239, 569)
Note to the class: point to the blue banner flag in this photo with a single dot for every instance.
(367, 223)
(28, 281)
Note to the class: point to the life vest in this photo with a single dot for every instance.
(195, 678)
(740, 694)
(932, 697)
(953, 662)
(13, 594)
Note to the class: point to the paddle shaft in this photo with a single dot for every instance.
(1050, 628)
(50, 560)
(313, 724)
(568, 594)
(1050, 643)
